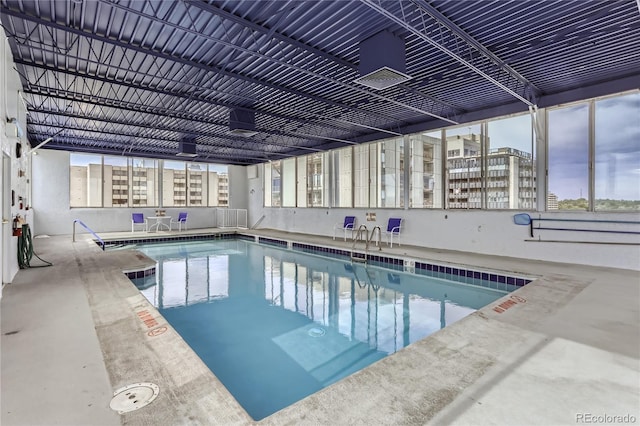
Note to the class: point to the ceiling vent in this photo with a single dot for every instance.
(382, 61)
(187, 147)
(242, 123)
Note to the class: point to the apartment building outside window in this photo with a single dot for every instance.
(134, 182)
(592, 164)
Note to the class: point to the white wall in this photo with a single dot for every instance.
(477, 231)
(238, 184)
(11, 106)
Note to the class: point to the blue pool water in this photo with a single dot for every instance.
(277, 325)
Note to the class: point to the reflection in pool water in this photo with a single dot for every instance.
(276, 325)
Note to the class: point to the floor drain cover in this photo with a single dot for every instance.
(133, 397)
(316, 332)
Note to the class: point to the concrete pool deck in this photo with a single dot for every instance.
(567, 351)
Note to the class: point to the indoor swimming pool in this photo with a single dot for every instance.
(277, 324)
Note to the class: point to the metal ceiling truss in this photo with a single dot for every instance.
(364, 114)
(328, 130)
(135, 77)
(164, 114)
(176, 123)
(234, 159)
(112, 127)
(420, 103)
(200, 93)
(188, 128)
(147, 146)
(427, 23)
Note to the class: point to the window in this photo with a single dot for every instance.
(289, 182)
(144, 182)
(116, 181)
(217, 186)
(135, 182)
(343, 173)
(569, 157)
(464, 174)
(85, 180)
(273, 184)
(617, 153)
(315, 180)
(391, 190)
(174, 184)
(301, 182)
(511, 177)
(425, 185)
(593, 163)
(364, 174)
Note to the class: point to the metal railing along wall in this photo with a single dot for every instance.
(231, 218)
(88, 229)
(586, 226)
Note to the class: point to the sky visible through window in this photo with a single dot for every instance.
(617, 150)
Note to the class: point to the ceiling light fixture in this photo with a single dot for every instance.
(382, 61)
(187, 147)
(242, 123)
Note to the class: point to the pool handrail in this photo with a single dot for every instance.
(102, 243)
(378, 243)
(357, 237)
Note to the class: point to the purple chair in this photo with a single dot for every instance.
(182, 220)
(138, 219)
(394, 226)
(348, 225)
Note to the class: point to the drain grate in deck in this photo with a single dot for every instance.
(133, 397)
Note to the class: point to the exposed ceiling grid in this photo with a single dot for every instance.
(134, 77)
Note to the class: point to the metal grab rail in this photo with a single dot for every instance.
(356, 237)
(379, 243)
(370, 283)
(525, 219)
(102, 243)
(255, 225)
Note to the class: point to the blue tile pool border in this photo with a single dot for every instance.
(141, 273)
(121, 242)
(456, 273)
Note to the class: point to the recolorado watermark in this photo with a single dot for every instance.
(590, 418)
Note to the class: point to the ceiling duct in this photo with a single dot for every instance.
(187, 147)
(382, 61)
(242, 123)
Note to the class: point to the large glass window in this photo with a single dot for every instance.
(144, 182)
(196, 185)
(116, 182)
(593, 163)
(391, 190)
(85, 180)
(289, 182)
(217, 186)
(187, 184)
(617, 153)
(343, 172)
(315, 172)
(273, 185)
(425, 186)
(364, 176)
(301, 182)
(174, 184)
(568, 158)
(510, 182)
(464, 176)
(134, 182)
